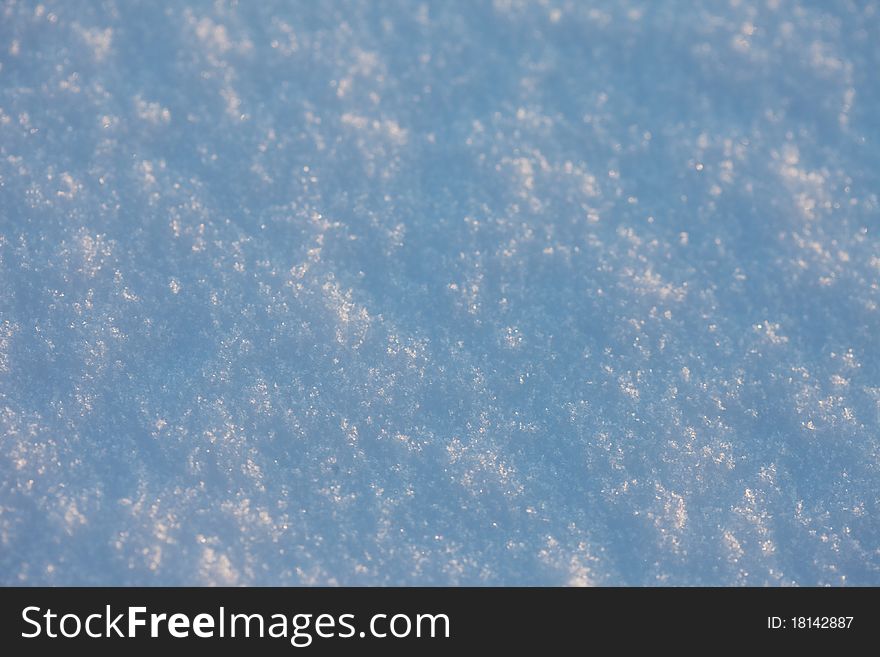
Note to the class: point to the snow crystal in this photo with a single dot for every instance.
(512, 292)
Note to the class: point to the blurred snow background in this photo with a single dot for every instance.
(445, 293)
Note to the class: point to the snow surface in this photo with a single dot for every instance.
(448, 293)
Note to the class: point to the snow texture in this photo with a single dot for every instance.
(535, 293)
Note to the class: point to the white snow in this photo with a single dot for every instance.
(513, 292)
